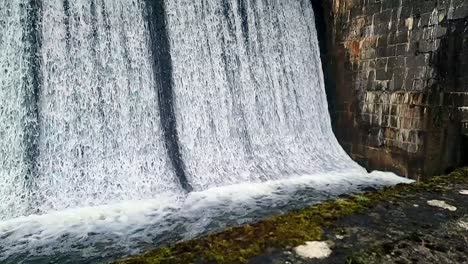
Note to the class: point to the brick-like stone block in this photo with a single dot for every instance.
(396, 62)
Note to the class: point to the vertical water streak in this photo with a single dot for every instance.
(249, 93)
(19, 84)
(32, 86)
(162, 68)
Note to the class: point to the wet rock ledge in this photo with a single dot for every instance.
(425, 222)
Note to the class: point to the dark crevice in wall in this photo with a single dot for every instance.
(449, 59)
(319, 14)
(162, 67)
(321, 27)
(448, 62)
(464, 153)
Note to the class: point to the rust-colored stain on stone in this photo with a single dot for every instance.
(354, 49)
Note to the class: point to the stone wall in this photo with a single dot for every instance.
(398, 82)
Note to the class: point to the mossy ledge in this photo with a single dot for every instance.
(238, 244)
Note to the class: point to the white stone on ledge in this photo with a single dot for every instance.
(315, 249)
(442, 204)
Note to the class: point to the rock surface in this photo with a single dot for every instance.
(396, 232)
(391, 225)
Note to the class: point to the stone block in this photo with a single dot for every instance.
(416, 73)
(406, 11)
(355, 11)
(368, 54)
(381, 63)
(460, 12)
(393, 110)
(381, 85)
(396, 62)
(412, 148)
(421, 7)
(418, 85)
(424, 20)
(420, 60)
(408, 84)
(390, 4)
(426, 46)
(382, 41)
(416, 34)
(371, 84)
(390, 133)
(398, 38)
(440, 32)
(433, 33)
(401, 49)
(381, 29)
(372, 9)
(382, 75)
(383, 17)
(398, 80)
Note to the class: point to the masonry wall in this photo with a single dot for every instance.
(398, 82)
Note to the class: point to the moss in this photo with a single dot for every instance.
(366, 258)
(238, 244)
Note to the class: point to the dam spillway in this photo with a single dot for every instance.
(104, 103)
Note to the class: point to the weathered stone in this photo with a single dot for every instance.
(396, 62)
(383, 17)
(412, 59)
(399, 38)
(427, 46)
(382, 74)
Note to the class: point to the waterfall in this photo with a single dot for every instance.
(249, 91)
(107, 101)
(129, 123)
(99, 127)
(14, 80)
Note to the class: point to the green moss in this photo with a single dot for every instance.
(238, 244)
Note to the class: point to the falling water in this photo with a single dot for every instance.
(113, 111)
(14, 80)
(99, 133)
(250, 97)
